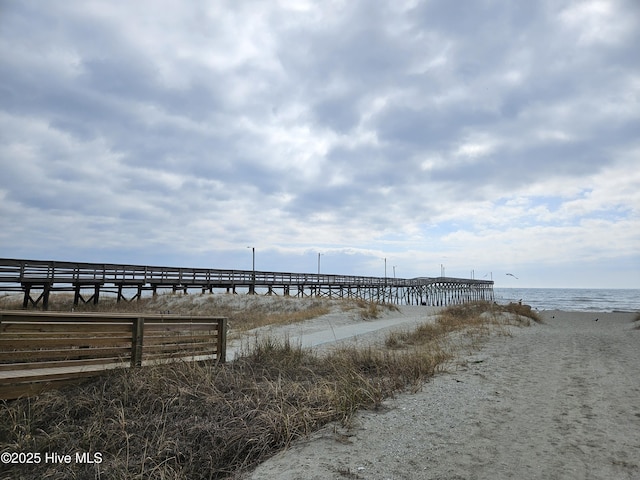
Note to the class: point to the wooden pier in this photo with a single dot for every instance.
(88, 281)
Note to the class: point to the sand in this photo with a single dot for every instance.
(554, 401)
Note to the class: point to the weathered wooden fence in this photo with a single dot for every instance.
(45, 349)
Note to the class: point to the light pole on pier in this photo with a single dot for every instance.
(252, 288)
(319, 262)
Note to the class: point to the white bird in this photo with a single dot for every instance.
(512, 275)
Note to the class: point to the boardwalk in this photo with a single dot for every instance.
(37, 279)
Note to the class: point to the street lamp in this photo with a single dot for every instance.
(319, 262)
(252, 288)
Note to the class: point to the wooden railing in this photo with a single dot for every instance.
(39, 350)
(19, 272)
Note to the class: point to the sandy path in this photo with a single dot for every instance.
(338, 327)
(553, 401)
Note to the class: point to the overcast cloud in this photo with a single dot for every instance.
(493, 136)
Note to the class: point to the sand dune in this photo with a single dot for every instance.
(558, 400)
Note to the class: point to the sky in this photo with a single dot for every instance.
(408, 138)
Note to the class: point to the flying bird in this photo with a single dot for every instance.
(512, 275)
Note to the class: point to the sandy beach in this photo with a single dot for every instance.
(555, 400)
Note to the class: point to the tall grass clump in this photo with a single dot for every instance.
(472, 319)
(521, 310)
(369, 310)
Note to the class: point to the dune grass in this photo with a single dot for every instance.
(244, 312)
(191, 420)
(475, 319)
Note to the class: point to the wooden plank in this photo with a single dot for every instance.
(176, 346)
(28, 343)
(183, 320)
(66, 327)
(181, 336)
(182, 333)
(11, 315)
(185, 327)
(82, 354)
(187, 343)
(6, 369)
(154, 340)
(199, 357)
(56, 373)
(178, 349)
(37, 335)
(177, 356)
(64, 317)
(160, 343)
(35, 357)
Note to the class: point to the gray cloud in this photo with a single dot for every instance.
(361, 127)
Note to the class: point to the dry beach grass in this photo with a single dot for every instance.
(191, 420)
(244, 312)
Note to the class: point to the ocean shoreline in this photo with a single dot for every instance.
(572, 299)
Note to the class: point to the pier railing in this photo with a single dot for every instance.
(44, 277)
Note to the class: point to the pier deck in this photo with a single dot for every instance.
(37, 279)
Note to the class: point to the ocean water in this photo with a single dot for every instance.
(573, 299)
